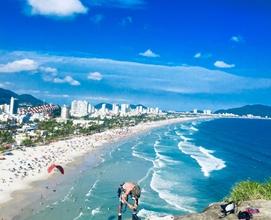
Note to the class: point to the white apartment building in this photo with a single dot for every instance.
(124, 109)
(11, 106)
(103, 110)
(195, 111)
(139, 109)
(115, 109)
(79, 108)
(207, 112)
(65, 112)
(5, 108)
(91, 109)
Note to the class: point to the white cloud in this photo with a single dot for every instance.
(127, 20)
(200, 55)
(57, 95)
(118, 3)
(19, 66)
(5, 84)
(96, 19)
(59, 8)
(95, 76)
(222, 64)
(141, 77)
(197, 55)
(237, 38)
(149, 53)
(66, 79)
(49, 70)
(50, 74)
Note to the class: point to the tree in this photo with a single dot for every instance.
(6, 137)
(27, 142)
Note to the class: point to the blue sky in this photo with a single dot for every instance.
(172, 54)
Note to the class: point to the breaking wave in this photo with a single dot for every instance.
(89, 193)
(204, 157)
(95, 211)
(147, 214)
(79, 216)
(162, 187)
(68, 195)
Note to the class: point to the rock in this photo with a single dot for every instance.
(213, 211)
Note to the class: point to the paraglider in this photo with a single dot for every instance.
(53, 166)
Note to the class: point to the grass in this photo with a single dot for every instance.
(250, 190)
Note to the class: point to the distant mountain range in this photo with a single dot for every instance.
(256, 110)
(29, 100)
(23, 100)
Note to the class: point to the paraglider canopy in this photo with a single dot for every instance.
(53, 166)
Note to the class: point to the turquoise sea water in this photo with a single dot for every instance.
(181, 169)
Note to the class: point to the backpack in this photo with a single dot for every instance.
(227, 208)
(244, 215)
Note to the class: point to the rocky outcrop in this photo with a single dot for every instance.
(213, 211)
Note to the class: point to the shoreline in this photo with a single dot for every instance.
(63, 152)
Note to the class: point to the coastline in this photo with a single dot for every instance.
(63, 152)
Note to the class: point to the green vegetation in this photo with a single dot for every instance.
(2, 148)
(6, 138)
(250, 190)
(51, 130)
(27, 142)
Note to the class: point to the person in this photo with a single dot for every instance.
(128, 190)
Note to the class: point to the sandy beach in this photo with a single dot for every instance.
(22, 168)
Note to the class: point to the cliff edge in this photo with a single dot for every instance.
(213, 211)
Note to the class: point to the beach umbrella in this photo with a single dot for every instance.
(53, 166)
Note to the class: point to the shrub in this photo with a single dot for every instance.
(250, 190)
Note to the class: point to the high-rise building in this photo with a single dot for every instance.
(115, 109)
(124, 109)
(79, 108)
(12, 106)
(207, 112)
(65, 112)
(91, 109)
(3, 107)
(103, 109)
(156, 110)
(6, 108)
(139, 109)
(195, 111)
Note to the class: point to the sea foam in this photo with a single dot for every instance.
(89, 193)
(68, 195)
(163, 186)
(141, 156)
(95, 211)
(203, 156)
(147, 214)
(79, 216)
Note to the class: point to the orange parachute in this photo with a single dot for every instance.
(53, 166)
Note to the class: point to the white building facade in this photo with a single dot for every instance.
(124, 109)
(65, 112)
(79, 108)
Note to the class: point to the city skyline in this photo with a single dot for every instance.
(130, 51)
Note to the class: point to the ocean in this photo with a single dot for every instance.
(181, 168)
